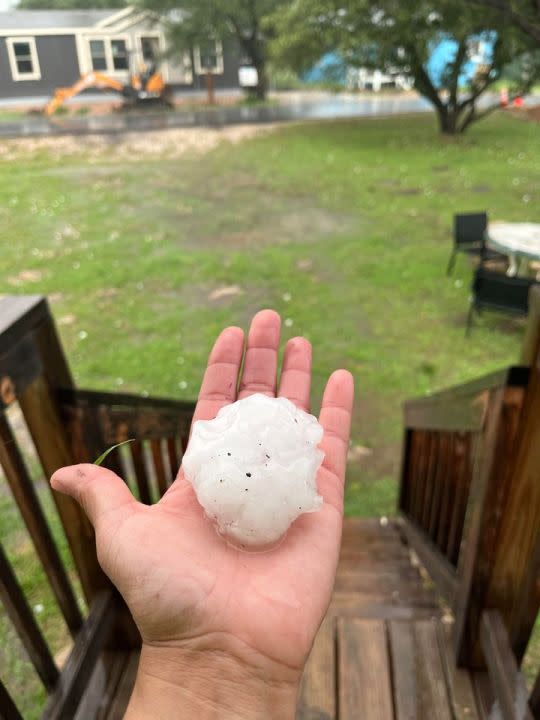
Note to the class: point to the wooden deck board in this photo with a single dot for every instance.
(365, 685)
(394, 658)
(382, 652)
(318, 690)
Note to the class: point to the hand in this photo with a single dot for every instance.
(223, 631)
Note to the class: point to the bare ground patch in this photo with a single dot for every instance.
(129, 147)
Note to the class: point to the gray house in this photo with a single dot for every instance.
(41, 50)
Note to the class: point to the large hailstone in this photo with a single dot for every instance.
(254, 467)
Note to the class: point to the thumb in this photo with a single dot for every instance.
(95, 488)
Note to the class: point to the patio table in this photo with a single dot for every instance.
(520, 241)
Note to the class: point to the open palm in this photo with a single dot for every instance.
(183, 583)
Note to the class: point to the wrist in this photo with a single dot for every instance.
(209, 683)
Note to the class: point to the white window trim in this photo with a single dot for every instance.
(218, 69)
(107, 39)
(15, 74)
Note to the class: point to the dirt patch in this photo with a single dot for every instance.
(172, 143)
(526, 113)
(278, 221)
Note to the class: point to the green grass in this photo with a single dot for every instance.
(343, 227)
(350, 220)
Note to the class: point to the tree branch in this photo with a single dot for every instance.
(473, 97)
(456, 69)
(528, 25)
(422, 80)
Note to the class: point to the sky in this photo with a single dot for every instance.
(6, 5)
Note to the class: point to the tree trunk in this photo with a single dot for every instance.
(262, 85)
(449, 120)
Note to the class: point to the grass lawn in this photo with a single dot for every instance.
(342, 227)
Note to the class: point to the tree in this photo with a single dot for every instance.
(70, 4)
(524, 14)
(402, 36)
(198, 20)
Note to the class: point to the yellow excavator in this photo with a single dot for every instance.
(146, 87)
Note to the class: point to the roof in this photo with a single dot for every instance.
(43, 19)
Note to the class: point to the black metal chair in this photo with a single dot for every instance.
(470, 238)
(495, 291)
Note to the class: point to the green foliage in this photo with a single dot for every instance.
(523, 14)
(199, 20)
(70, 4)
(401, 36)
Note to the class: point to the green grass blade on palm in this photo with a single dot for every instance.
(103, 455)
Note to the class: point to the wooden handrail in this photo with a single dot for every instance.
(508, 683)
(68, 425)
(487, 554)
(461, 408)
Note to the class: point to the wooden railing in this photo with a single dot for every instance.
(67, 425)
(470, 502)
(449, 436)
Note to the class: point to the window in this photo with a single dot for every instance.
(119, 55)
(209, 58)
(108, 54)
(23, 58)
(97, 55)
(150, 48)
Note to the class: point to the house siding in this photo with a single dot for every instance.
(58, 62)
(231, 65)
(60, 65)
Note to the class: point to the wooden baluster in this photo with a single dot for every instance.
(447, 495)
(461, 479)
(439, 481)
(22, 618)
(9, 709)
(159, 467)
(81, 663)
(26, 498)
(407, 485)
(174, 460)
(420, 472)
(48, 434)
(136, 449)
(430, 479)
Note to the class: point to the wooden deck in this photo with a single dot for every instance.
(383, 651)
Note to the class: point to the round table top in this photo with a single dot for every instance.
(515, 238)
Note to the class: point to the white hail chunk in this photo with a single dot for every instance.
(254, 467)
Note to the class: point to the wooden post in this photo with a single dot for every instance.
(32, 370)
(531, 343)
(210, 88)
(501, 556)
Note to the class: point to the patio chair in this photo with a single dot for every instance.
(470, 238)
(495, 291)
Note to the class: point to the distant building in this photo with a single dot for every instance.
(332, 68)
(41, 50)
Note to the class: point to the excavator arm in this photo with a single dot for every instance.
(91, 79)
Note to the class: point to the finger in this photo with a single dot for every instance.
(96, 489)
(295, 382)
(221, 377)
(260, 363)
(335, 417)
